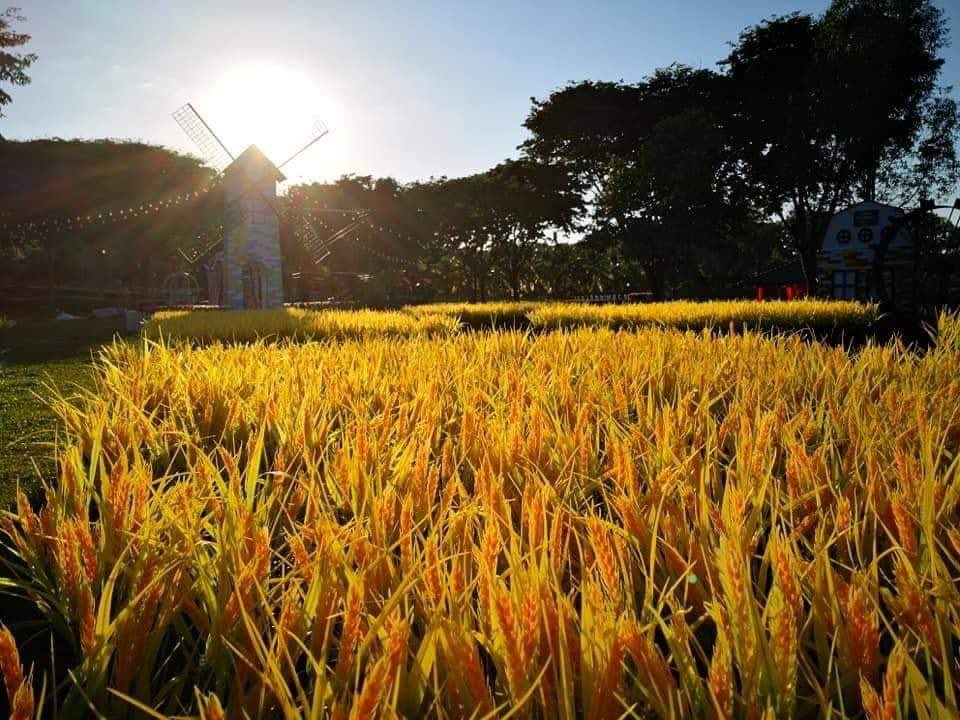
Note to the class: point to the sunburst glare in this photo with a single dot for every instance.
(274, 106)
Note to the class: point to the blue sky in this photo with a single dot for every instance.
(408, 89)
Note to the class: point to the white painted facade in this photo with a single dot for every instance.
(846, 262)
(250, 273)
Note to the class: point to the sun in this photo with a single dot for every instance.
(271, 105)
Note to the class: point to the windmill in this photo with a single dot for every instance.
(247, 273)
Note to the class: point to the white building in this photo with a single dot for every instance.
(248, 272)
(867, 254)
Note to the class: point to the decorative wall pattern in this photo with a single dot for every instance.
(252, 241)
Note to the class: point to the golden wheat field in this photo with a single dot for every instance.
(581, 524)
(446, 318)
(680, 314)
(480, 314)
(293, 324)
(689, 315)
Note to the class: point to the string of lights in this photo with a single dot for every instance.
(384, 256)
(198, 253)
(364, 218)
(308, 234)
(77, 222)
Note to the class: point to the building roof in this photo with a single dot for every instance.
(870, 202)
(253, 154)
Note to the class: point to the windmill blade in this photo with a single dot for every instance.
(345, 230)
(308, 235)
(319, 248)
(201, 252)
(212, 149)
(312, 238)
(318, 131)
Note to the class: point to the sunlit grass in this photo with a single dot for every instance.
(681, 314)
(589, 524)
(446, 318)
(292, 323)
(776, 314)
(481, 314)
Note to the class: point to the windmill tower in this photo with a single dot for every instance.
(248, 272)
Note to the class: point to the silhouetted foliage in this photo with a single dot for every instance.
(655, 162)
(67, 211)
(683, 183)
(807, 114)
(13, 65)
(938, 242)
(824, 111)
(377, 261)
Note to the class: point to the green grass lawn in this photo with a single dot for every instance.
(38, 354)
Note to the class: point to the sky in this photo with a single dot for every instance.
(407, 89)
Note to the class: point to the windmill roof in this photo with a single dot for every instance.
(871, 203)
(253, 154)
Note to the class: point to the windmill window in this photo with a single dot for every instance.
(257, 217)
(845, 284)
(843, 237)
(252, 283)
(865, 235)
(215, 283)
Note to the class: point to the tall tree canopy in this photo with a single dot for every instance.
(102, 212)
(13, 65)
(489, 227)
(687, 181)
(825, 110)
(522, 202)
(807, 114)
(652, 157)
(378, 260)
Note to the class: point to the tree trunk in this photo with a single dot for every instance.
(808, 263)
(654, 270)
(655, 278)
(806, 242)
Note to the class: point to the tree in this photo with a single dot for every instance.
(821, 111)
(651, 155)
(462, 236)
(781, 139)
(584, 125)
(13, 65)
(880, 68)
(101, 213)
(378, 258)
(599, 268)
(489, 227)
(938, 260)
(522, 200)
(669, 208)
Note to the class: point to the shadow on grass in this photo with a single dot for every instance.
(35, 354)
